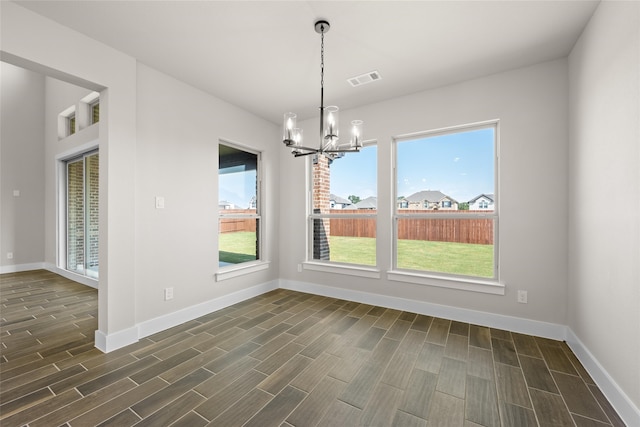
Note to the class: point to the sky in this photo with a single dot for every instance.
(460, 165)
(238, 187)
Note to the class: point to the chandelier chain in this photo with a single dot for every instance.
(322, 58)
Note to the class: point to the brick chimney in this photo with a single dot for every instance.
(321, 205)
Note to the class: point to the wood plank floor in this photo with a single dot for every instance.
(281, 359)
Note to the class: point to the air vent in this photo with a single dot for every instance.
(362, 79)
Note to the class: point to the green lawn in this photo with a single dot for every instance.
(237, 247)
(443, 257)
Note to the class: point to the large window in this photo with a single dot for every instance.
(82, 192)
(342, 220)
(239, 205)
(440, 228)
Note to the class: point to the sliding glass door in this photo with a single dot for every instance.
(82, 214)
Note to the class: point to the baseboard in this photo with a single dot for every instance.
(510, 323)
(87, 281)
(158, 324)
(17, 268)
(110, 342)
(116, 340)
(625, 408)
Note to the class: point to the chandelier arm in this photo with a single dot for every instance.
(343, 150)
(305, 154)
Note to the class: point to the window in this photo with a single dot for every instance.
(449, 168)
(71, 124)
(95, 112)
(346, 235)
(239, 204)
(82, 209)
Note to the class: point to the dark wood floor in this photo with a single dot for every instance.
(282, 359)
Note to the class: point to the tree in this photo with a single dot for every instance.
(354, 199)
(463, 206)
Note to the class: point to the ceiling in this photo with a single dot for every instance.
(264, 56)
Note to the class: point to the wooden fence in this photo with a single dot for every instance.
(231, 225)
(459, 230)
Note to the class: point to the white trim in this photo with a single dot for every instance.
(161, 323)
(17, 268)
(510, 323)
(79, 278)
(622, 404)
(110, 342)
(349, 270)
(474, 285)
(240, 270)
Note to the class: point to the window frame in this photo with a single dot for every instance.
(492, 284)
(260, 263)
(310, 263)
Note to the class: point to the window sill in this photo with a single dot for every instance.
(474, 285)
(240, 270)
(350, 270)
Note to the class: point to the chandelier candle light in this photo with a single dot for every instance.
(329, 141)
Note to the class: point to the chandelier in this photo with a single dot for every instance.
(330, 145)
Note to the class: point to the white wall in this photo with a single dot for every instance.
(604, 237)
(22, 168)
(531, 104)
(179, 128)
(75, 58)
(143, 250)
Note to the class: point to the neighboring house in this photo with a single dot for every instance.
(368, 203)
(402, 203)
(483, 202)
(223, 204)
(253, 203)
(429, 200)
(338, 202)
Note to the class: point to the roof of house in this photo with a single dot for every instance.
(428, 195)
(486, 196)
(339, 199)
(368, 203)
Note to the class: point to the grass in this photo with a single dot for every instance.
(444, 257)
(237, 247)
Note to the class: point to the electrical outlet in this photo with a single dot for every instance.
(9, 255)
(522, 297)
(168, 294)
(159, 202)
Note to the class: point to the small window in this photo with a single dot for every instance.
(71, 124)
(446, 203)
(239, 202)
(95, 112)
